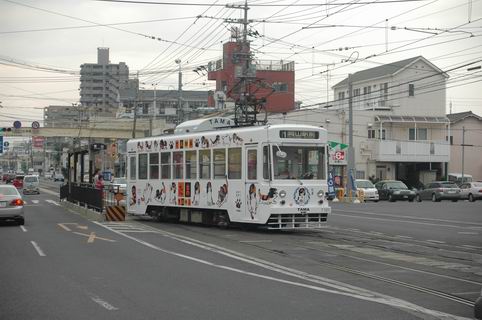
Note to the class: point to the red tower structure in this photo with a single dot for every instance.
(273, 80)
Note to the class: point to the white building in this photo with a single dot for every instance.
(399, 122)
(100, 83)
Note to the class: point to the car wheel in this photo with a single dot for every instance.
(411, 199)
(455, 200)
(375, 200)
(418, 198)
(434, 198)
(390, 198)
(21, 222)
(471, 197)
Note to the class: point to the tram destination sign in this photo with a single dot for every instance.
(298, 134)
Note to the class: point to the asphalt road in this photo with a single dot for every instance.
(61, 266)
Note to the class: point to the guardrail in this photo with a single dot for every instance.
(83, 194)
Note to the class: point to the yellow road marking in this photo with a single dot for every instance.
(92, 237)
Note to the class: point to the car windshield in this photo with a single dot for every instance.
(299, 163)
(396, 185)
(364, 184)
(119, 181)
(8, 191)
(31, 179)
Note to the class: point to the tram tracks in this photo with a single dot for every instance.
(338, 267)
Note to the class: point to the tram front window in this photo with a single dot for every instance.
(299, 163)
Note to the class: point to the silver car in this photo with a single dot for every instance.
(11, 204)
(31, 184)
(471, 191)
(439, 190)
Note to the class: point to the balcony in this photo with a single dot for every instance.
(411, 151)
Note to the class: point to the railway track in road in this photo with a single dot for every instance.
(348, 269)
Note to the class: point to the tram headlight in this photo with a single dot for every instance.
(320, 194)
(282, 194)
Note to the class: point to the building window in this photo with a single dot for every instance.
(280, 87)
(205, 164)
(191, 164)
(371, 133)
(142, 166)
(219, 157)
(234, 163)
(154, 166)
(356, 92)
(341, 95)
(166, 165)
(420, 134)
(451, 139)
(411, 90)
(367, 90)
(178, 164)
(375, 134)
(360, 174)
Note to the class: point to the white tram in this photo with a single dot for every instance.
(208, 172)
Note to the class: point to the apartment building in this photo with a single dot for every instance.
(399, 122)
(100, 83)
(466, 128)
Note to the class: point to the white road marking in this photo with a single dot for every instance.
(255, 241)
(466, 293)
(104, 304)
(403, 237)
(35, 201)
(471, 247)
(23, 228)
(39, 251)
(53, 202)
(435, 241)
(469, 233)
(345, 289)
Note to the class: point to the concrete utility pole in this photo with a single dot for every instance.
(463, 152)
(135, 108)
(351, 151)
(180, 114)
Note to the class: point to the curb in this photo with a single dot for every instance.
(83, 211)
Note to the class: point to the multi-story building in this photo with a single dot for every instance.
(399, 122)
(466, 128)
(65, 116)
(163, 104)
(273, 80)
(100, 83)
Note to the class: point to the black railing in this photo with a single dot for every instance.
(84, 195)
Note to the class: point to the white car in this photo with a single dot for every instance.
(11, 204)
(369, 190)
(471, 191)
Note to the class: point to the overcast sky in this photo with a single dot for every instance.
(58, 36)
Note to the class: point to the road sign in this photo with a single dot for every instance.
(35, 125)
(17, 124)
(97, 146)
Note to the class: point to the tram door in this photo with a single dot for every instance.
(251, 187)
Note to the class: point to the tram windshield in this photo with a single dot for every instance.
(299, 163)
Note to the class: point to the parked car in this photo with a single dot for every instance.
(31, 184)
(18, 181)
(369, 190)
(439, 190)
(11, 204)
(471, 191)
(118, 185)
(59, 177)
(393, 190)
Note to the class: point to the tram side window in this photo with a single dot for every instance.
(165, 165)
(154, 166)
(234, 163)
(132, 167)
(142, 165)
(191, 164)
(178, 159)
(266, 163)
(205, 164)
(252, 164)
(219, 162)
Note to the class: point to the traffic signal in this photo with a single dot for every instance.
(5, 129)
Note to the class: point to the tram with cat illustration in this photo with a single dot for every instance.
(210, 172)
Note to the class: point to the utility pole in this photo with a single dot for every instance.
(351, 151)
(463, 152)
(135, 108)
(180, 114)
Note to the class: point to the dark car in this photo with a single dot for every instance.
(18, 181)
(439, 190)
(393, 190)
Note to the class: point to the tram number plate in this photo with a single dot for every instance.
(297, 134)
